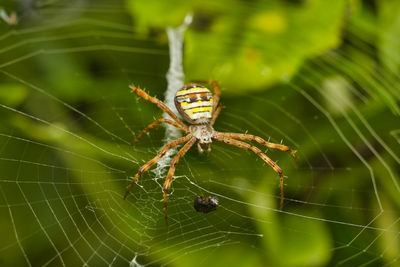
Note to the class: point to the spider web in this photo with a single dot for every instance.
(66, 158)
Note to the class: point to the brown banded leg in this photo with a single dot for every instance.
(261, 141)
(215, 115)
(157, 122)
(150, 163)
(219, 137)
(171, 171)
(158, 102)
(217, 94)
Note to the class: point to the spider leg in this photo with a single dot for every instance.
(215, 115)
(158, 102)
(168, 180)
(153, 161)
(217, 94)
(261, 141)
(219, 137)
(157, 122)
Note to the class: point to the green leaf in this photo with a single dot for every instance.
(389, 22)
(12, 94)
(247, 47)
(280, 241)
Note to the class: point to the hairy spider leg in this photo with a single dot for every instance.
(153, 161)
(215, 115)
(157, 122)
(168, 180)
(243, 145)
(250, 137)
(217, 94)
(158, 102)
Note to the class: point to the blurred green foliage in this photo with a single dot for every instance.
(248, 45)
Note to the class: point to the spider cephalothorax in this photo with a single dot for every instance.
(197, 105)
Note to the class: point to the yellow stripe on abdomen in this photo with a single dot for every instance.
(195, 90)
(199, 109)
(194, 103)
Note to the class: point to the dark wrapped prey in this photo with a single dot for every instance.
(205, 204)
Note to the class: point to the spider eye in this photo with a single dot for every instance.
(206, 139)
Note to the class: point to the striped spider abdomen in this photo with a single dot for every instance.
(195, 103)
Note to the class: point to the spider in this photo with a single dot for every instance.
(197, 105)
